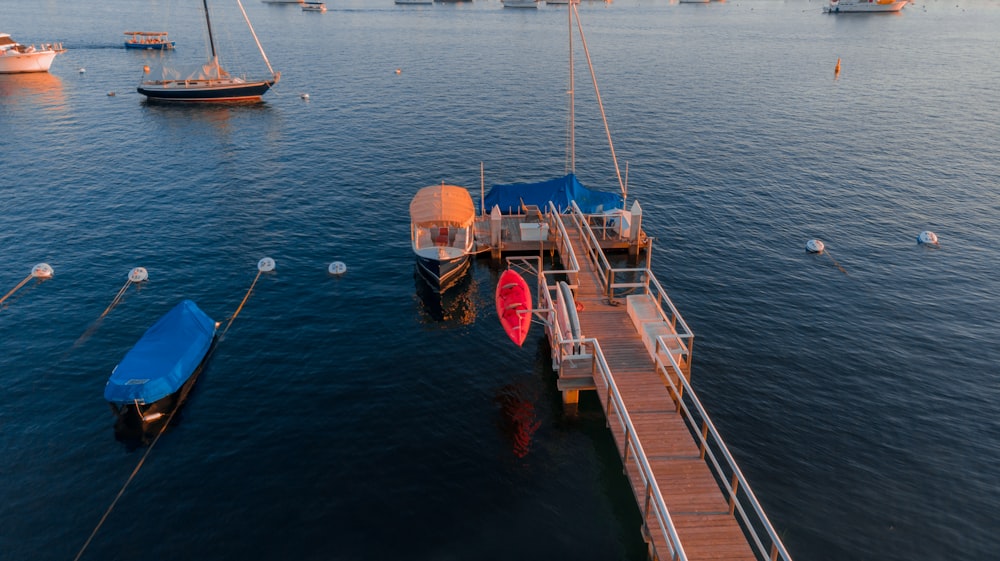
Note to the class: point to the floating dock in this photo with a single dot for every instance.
(630, 345)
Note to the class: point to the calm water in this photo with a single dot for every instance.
(355, 417)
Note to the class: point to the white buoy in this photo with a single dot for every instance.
(138, 274)
(42, 271)
(927, 238)
(337, 268)
(815, 246)
(82, 70)
(304, 96)
(265, 265)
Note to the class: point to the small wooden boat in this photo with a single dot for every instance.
(148, 40)
(156, 375)
(514, 305)
(313, 7)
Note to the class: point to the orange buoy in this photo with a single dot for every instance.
(145, 69)
(836, 69)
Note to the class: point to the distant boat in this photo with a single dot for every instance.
(442, 232)
(211, 82)
(313, 7)
(149, 40)
(424, 2)
(519, 3)
(16, 58)
(838, 6)
(283, 1)
(156, 375)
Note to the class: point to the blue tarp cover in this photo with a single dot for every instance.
(164, 358)
(560, 191)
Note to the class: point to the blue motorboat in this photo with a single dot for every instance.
(148, 40)
(156, 375)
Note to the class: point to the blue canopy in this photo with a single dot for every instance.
(164, 358)
(560, 191)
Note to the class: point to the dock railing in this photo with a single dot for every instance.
(743, 504)
(653, 504)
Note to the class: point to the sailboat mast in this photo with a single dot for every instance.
(571, 149)
(208, 22)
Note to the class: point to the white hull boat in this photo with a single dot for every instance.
(16, 58)
(849, 6)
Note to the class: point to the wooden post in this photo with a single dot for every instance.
(496, 231)
(635, 225)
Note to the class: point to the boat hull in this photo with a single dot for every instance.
(20, 63)
(443, 273)
(136, 421)
(193, 91)
(151, 46)
(863, 6)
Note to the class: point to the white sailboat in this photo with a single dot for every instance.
(211, 82)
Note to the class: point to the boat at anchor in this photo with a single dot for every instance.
(210, 83)
(16, 58)
(155, 376)
(848, 6)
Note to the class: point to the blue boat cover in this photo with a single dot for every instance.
(164, 358)
(560, 191)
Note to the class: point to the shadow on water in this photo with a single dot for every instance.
(456, 305)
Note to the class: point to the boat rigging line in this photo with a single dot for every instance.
(254, 33)
(40, 271)
(600, 104)
(263, 266)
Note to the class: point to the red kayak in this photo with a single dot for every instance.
(514, 305)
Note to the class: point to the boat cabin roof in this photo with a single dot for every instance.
(147, 33)
(443, 205)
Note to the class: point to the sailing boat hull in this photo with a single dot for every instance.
(204, 90)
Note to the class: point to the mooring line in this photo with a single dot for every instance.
(264, 265)
(835, 264)
(117, 298)
(39, 271)
(124, 487)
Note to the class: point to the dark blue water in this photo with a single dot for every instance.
(356, 417)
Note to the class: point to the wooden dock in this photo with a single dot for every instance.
(634, 349)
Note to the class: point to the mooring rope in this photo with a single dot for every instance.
(240, 307)
(125, 486)
(16, 288)
(117, 299)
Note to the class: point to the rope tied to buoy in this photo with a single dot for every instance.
(265, 265)
(135, 276)
(40, 271)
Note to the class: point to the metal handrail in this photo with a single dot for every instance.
(743, 502)
(734, 483)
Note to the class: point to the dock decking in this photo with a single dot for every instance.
(634, 350)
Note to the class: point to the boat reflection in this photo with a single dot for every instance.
(454, 306)
(35, 87)
(518, 419)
